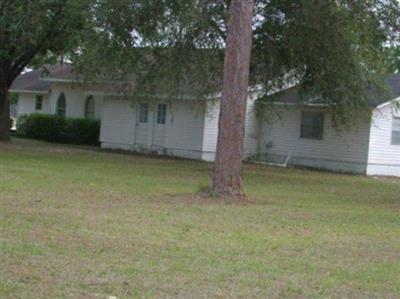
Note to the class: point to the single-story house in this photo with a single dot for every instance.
(55, 91)
(302, 135)
(185, 127)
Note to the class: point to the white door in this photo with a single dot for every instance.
(142, 119)
(160, 120)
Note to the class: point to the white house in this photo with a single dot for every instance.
(186, 127)
(302, 135)
(55, 91)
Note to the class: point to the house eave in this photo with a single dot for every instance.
(122, 95)
(301, 104)
(29, 91)
(388, 103)
(61, 80)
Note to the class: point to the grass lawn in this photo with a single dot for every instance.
(83, 223)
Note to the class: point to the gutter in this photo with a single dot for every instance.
(388, 103)
(29, 91)
(49, 79)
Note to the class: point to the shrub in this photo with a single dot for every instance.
(82, 131)
(53, 128)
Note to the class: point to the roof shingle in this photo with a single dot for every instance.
(30, 81)
(291, 95)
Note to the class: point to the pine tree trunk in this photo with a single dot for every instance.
(4, 113)
(230, 146)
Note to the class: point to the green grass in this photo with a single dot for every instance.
(83, 223)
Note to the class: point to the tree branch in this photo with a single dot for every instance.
(28, 54)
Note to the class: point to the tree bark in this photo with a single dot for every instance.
(4, 112)
(230, 145)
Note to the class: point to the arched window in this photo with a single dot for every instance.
(89, 107)
(61, 105)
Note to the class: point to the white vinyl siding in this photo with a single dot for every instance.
(251, 130)
(211, 130)
(184, 129)
(384, 157)
(347, 151)
(117, 124)
(27, 104)
(180, 135)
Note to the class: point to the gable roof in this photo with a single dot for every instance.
(60, 72)
(30, 82)
(39, 81)
(291, 95)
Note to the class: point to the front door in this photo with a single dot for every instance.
(160, 120)
(142, 119)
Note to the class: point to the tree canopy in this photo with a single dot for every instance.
(39, 29)
(333, 49)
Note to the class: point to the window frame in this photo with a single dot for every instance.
(161, 114)
(90, 113)
(38, 102)
(63, 109)
(143, 118)
(305, 131)
(395, 131)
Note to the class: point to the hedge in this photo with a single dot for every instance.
(53, 128)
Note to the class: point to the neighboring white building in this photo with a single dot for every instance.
(185, 127)
(56, 91)
(303, 135)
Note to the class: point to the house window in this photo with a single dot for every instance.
(143, 112)
(312, 125)
(161, 114)
(396, 131)
(89, 107)
(61, 105)
(39, 102)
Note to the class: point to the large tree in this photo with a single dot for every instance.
(29, 28)
(332, 49)
(228, 159)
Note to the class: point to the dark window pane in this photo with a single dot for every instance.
(61, 105)
(396, 138)
(396, 124)
(161, 114)
(312, 125)
(89, 107)
(39, 103)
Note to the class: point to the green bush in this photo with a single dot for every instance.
(82, 131)
(53, 128)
